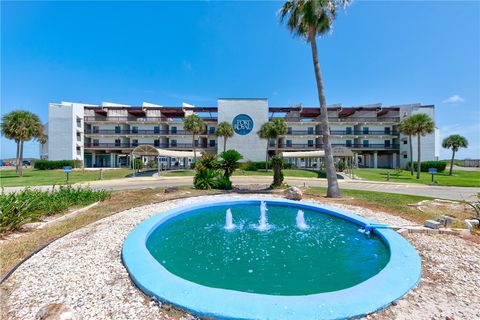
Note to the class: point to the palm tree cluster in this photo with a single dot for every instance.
(22, 126)
(454, 142)
(420, 125)
(308, 19)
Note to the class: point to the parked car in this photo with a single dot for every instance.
(7, 163)
(26, 162)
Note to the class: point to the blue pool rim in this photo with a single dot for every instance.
(400, 275)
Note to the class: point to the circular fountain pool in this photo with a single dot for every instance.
(279, 259)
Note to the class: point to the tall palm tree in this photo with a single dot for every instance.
(224, 130)
(195, 125)
(267, 132)
(454, 142)
(422, 125)
(309, 19)
(21, 126)
(406, 128)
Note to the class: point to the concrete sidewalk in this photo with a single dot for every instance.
(452, 193)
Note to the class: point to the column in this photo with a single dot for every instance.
(394, 161)
(375, 159)
(112, 160)
(94, 156)
(318, 164)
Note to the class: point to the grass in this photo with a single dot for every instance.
(458, 178)
(286, 172)
(34, 177)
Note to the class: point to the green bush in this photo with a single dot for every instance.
(205, 178)
(341, 165)
(56, 164)
(31, 204)
(138, 164)
(223, 183)
(425, 165)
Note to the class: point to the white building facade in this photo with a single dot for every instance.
(105, 135)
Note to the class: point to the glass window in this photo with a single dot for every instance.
(156, 143)
(365, 143)
(365, 130)
(173, 130)
(310, 143)
(156, 129)
(348, 130)
(289, 143)
(134, 129)
(405, 141)
(95, 142)
(387, 130)
(405, 156)
(196, 143)
(211, 130)
(173, 143)
(117, 129)
(95, 129)
(387, 143)
(348, 143)
(212, 143)
(310, 130)
(289, 130)
(117, 142)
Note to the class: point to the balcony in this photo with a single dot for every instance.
(139, 132)
(364, 119)
(130, 145)
(308, 146)
(342, 133)
(125, 119)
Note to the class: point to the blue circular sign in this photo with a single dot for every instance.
(242, 124)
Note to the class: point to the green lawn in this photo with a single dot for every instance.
(33, 177)
(459, 178)
(286, 172)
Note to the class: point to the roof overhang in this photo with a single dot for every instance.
(148, 150)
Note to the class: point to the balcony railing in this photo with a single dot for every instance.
(342, 133)
(131, 145)
(140, 132)
(364, 119)
(347, 145)
(124, 119)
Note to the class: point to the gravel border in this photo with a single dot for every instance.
(83, 270)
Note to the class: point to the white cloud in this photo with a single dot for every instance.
(454, 99)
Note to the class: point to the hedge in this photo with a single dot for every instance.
(260, 165)
(56, 164)
(425, 165)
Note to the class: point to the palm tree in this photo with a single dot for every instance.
(454, 142)
(422, 124)
(279, 129)
(230, 162)
(309, 19)
(21, 126)
(405, 127)
(267, 132)
(195, 125)
(224, 130)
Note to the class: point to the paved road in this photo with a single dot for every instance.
(453, 193)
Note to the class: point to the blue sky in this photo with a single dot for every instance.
(168, 53)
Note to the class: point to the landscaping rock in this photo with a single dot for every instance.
(293, 193)
(171, 189)
(57, 311)
(432, 224)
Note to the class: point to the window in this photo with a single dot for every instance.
(95, 142)
(79, 151)
(211, 130)
(117, 142)
(79, 136)
(196, 143)
(310, 143)
(134, 129)
(289, 143)
(156, 143)
(405, 141)
(118, 129)
(212, 143)
(405, 156)
(272, 143)
(156, 129)
(348, 143)
(365, 143)
(173, 130)
(310, 130)
(79, 122)
(365, 130)
(289, 130)
(387, 143)
(173, 143)
(348, 130)
(95, 129)
(387, 130)
(134, 143)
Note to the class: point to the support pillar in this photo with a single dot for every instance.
(375, 160)
(94, 162)
(318, 164)
(394, 161)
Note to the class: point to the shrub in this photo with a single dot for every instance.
(152, 164)
(30, 205)
(224, 183)
(192, 165)
(138, 163)
(205, 178)
(230, 161)
(425, 165)
(208, 162)
(341, 165)
(56, 164)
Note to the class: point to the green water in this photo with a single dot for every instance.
(284, 260)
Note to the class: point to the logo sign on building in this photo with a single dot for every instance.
(242, 124)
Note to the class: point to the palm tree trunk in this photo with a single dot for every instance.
(17, 156)
(418, 157)
(20, 160)
(451, 162)
(194, 149)
(224, 143)
(333, 190)
(411, 154)
(266, 157)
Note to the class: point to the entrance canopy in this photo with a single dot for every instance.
(148, 150)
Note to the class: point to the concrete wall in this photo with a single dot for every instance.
(62, 131)
(250, 145)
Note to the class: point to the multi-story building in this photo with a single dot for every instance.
(105, 135)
